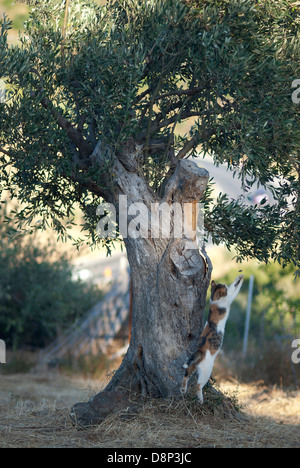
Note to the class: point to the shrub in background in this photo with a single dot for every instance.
(38, 296)
(275, 305)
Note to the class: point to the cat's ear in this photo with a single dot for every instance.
(213, 284)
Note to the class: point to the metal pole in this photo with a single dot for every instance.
(246, 332)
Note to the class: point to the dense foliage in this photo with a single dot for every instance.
(129, 73)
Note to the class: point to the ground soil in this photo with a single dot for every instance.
(34, 411)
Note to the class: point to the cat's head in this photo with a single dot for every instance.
(219, 291)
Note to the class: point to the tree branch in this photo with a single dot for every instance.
(152, 100)
(165, 123)
(5, 152)
(64, 30)
(187, 184)
(193, 142)
(74, 134)
(188, 146)
(182, 92)
(87, 184)
(141, 96)
(179, 92)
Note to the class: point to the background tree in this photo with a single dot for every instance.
(94, 101)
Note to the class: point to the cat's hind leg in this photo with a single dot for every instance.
(199, 393)
(185, 380)
(183, 387)
(204, 370)
(189, 370)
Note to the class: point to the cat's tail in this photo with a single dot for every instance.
(186, 370)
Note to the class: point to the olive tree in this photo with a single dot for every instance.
(95, 99)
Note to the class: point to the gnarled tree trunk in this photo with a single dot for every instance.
(170, 281)
(169, 292)
(170, 278)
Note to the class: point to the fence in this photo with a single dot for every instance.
(93, 332)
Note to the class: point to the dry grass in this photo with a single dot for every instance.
(34, 413)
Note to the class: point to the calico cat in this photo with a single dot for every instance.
(211, 338)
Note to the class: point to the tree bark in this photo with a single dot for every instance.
(170, 278)
(169, 295)
(170, 281)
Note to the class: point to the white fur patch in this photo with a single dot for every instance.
(222, 323)
(205, 368)
(222, 302)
